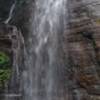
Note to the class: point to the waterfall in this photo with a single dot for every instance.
(40, 79)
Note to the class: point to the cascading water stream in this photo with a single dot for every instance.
(10, 13)
(46, 73)
(41, 80)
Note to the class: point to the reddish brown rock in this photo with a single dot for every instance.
(83, 42)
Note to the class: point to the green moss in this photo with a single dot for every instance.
(5, 69)
(4, 77)
(4, 60)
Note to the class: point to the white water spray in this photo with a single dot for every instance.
(41, 61)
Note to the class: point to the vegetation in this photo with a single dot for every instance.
(4, 77)
(5, 69)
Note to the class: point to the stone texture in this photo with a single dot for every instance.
(5, 8)
(11, 42)
(83, 44)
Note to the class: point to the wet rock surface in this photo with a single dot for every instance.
(11, 43)
(5, 8)
(83, 45)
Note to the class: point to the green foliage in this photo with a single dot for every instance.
(4, 60)
(5, 69)
(4, 77)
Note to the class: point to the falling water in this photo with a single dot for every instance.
(41, 81)
(10, 13)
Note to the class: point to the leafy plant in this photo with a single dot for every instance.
(4, 60)
(4, 77)
(5, 69)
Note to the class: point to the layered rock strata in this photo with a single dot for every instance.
(83, 47)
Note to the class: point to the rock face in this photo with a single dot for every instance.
(20, 14)
(11, 43)
(83, 46)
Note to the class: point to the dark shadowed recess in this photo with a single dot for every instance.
(21, 16)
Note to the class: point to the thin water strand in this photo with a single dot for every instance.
(10, 13)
